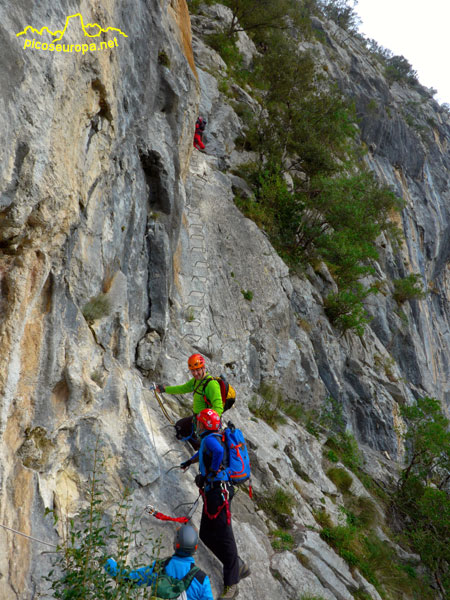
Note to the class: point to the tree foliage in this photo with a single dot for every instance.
(312, 194)
(399, 69)
(342, 12)
(89, 537)
(423, 495)
(408, 288)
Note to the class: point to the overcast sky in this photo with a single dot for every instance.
(417, 29)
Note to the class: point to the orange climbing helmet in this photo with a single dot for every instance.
(196, 361)
(209, 418)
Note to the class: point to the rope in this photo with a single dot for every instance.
(151, 510)
(163, 408)
(225, 505)
(28, 536)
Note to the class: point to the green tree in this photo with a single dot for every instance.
(399, 69)
(89, 537)
(332, 209)
(423, 497)
(255, 16)
(428, 443)
(408, 288)
(342, 12)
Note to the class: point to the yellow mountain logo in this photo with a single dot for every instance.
(55, 44)
(59, 33)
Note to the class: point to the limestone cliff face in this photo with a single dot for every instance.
(102, 198)
(92, 145)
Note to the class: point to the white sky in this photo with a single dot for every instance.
(417, 29)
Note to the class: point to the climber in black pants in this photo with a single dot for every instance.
(216, 531)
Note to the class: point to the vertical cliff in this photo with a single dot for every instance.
(93, 143)
(122, 252)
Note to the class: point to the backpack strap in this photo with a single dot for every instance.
(190, 576)
(200, 576)
(205, 382)
(193, 573)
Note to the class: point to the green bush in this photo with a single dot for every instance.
(90, 536)
(408, 288)
(269, 409)
(97, 307)
(399, 69)
(248, 295)
(323, 518)
(163, 59)
(282, 540)
(342, 13)
(422, 499)
(279, 506)
(346, 311)
(364, 510)
(346, 447)
(258, 16)
(332, 456)
(336, 210)
(226, 47)
(194, 5)
(341, 479)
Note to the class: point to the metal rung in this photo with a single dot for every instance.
(198, 292)
(194, 338)
(195, 323)
(200, 307)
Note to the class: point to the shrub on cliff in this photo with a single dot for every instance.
(311, 193)
(422, 500)
(408, 288)
(89, 537)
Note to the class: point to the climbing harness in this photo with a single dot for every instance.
(225, 504)
(161, 404)
(28, 536)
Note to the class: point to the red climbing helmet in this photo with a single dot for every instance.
(209, 418)
(196, 361)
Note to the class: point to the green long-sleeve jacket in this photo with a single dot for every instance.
(205, 387)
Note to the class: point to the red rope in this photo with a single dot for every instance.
(162, 517)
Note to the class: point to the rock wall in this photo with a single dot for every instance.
(92, 144)
(102, 198)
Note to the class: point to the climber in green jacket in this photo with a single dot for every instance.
(207, 394)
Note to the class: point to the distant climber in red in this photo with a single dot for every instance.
(198, 136)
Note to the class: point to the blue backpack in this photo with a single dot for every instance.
(238, 460)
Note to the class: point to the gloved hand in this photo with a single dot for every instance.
(186, 464)
(199, 481)
(160, 388)
(111, 567)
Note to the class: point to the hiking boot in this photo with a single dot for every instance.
(244, 569)
(229, 592)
